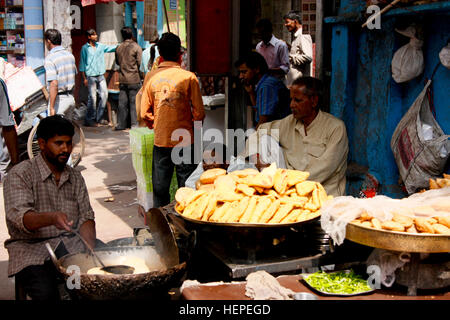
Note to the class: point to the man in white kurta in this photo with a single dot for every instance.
(310, 139)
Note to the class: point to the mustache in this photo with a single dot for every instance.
(64, 154)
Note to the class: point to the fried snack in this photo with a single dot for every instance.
(376, 223)
(230, 212)
(322, 194)
(179, 208)
(228, 196)
(295, 177)
(433, 184)
(393, 226)
(209, 176)
(245, 189)
(249, 211)
(198, 184)
(403, 220)
(311, 205)
(210, 208)
(291, 192)
(315, 199)
(219, 212)
(367, 224)
(244, 172)
(263, 204)
(280, 181)
(225, 183)
(282, 212)
(270, 170)
(444, 220)
(182, 195)
(442, 183)
(440, 229)
(259, 189)
(270, 212)
(356, 221)
(201, 206)
(298, 202)
(207, 187)
(191, 207)
(304, 188)
(292, 217)
(239, 210)
(423, 225)
(260, 180)
(365, 216)
(412, 229)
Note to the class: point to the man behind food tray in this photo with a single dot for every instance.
(310, 139)
(171, 102)
(44, 200)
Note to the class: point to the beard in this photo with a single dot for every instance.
(59, 161)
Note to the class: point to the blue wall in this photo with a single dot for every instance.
(363, 92)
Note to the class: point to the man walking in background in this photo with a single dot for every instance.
(128, 57)
(60, 71)
(92, 67)
(301, 54)
(275, 51)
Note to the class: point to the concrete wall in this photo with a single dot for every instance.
(57, 16)
(109, 22)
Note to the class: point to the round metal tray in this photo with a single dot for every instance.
(244, 225)
(398, 241)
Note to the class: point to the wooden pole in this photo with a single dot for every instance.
(165, 12)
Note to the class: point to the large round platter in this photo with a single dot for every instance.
(397, 241)
(244, 225)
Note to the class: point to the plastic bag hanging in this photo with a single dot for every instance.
(408, 62)
(444, 56)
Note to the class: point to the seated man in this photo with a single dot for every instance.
(211, 160)
(311, 140)
(268, 95)
(44, 200)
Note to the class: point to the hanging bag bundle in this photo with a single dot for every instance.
(420, 147)
(408, 62)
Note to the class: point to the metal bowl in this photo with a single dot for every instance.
(398, 241)
(305, 296)
(131, 286)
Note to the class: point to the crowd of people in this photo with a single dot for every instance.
(45, 199)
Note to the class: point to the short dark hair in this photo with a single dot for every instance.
(169, 46)
(127, 33)
(313, 87)
(264, 24)
(294, 15)
(55, 125)
(91, 32)
(254, 60)
(54, 36)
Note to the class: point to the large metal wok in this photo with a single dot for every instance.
(153, 284)
(162, 259)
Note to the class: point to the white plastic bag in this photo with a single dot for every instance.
(444, 56)
(408, 61)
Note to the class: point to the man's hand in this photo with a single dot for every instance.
(60, 221)
(85, 81)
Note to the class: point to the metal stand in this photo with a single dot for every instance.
(413, 273)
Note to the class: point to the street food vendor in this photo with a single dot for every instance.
(44, 200)
(310, 139)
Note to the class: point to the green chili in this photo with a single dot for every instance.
(341, 282)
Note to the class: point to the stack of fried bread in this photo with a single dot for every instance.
(434, 219)
(271, 196)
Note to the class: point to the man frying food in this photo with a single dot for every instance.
(309, 139)
(44, 200)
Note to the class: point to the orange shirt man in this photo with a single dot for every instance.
(171, 102)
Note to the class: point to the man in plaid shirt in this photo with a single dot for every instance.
(44, 200)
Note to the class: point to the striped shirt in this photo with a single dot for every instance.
(272, 98)
(31, 186)
(6, 116)
(92, 60)
(60, 65)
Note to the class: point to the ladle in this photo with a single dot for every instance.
(115, 269)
